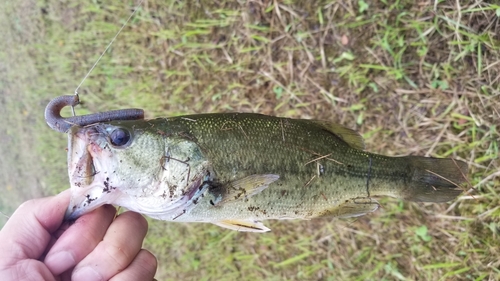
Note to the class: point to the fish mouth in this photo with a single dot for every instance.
(86, 153)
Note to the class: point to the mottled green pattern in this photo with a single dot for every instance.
(318, 171)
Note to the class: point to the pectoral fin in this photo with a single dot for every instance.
(245, 188)
(352, 208)
(243, 225)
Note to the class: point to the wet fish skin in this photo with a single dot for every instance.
(237, 169)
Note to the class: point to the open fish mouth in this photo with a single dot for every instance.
(169, 186)
(90, 186)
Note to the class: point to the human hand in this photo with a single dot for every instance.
(35, 244)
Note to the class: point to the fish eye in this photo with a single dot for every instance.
(119, 137)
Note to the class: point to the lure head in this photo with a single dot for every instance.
(131, 164)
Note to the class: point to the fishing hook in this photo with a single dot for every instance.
(63, 124)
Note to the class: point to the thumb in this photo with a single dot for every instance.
(28, 231)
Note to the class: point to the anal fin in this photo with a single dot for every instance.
(351, 208)
(243, 225)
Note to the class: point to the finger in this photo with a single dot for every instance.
(28, 231)
(143, 267)
(79, 239)
(120, 245)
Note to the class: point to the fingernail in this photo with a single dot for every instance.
(86, 273)
(60, 262)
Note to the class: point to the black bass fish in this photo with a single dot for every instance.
(237, 169)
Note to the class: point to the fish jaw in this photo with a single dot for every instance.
(88, 159)
(165, 188)
(89, 200)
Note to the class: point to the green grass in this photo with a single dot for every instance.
(414, 78)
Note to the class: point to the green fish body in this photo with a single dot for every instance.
(237, 169)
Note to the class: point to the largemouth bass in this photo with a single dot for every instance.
(236, 169)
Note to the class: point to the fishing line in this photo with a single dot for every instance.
(5, 215)
(104, 52)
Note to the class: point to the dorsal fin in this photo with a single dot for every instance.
(351, 137)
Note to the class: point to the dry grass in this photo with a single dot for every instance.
(415, 77)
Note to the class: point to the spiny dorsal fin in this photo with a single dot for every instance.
(243, 225)
(351, 137)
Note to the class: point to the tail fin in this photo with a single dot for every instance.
(435, 179)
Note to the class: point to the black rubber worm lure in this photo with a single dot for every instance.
(63, 124)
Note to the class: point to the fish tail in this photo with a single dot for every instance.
(435, 179)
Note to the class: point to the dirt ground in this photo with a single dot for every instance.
(413, 77)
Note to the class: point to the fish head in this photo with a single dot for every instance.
(111, 163)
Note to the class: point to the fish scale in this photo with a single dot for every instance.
(237, 169)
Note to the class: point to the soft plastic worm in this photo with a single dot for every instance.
(63, 124)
